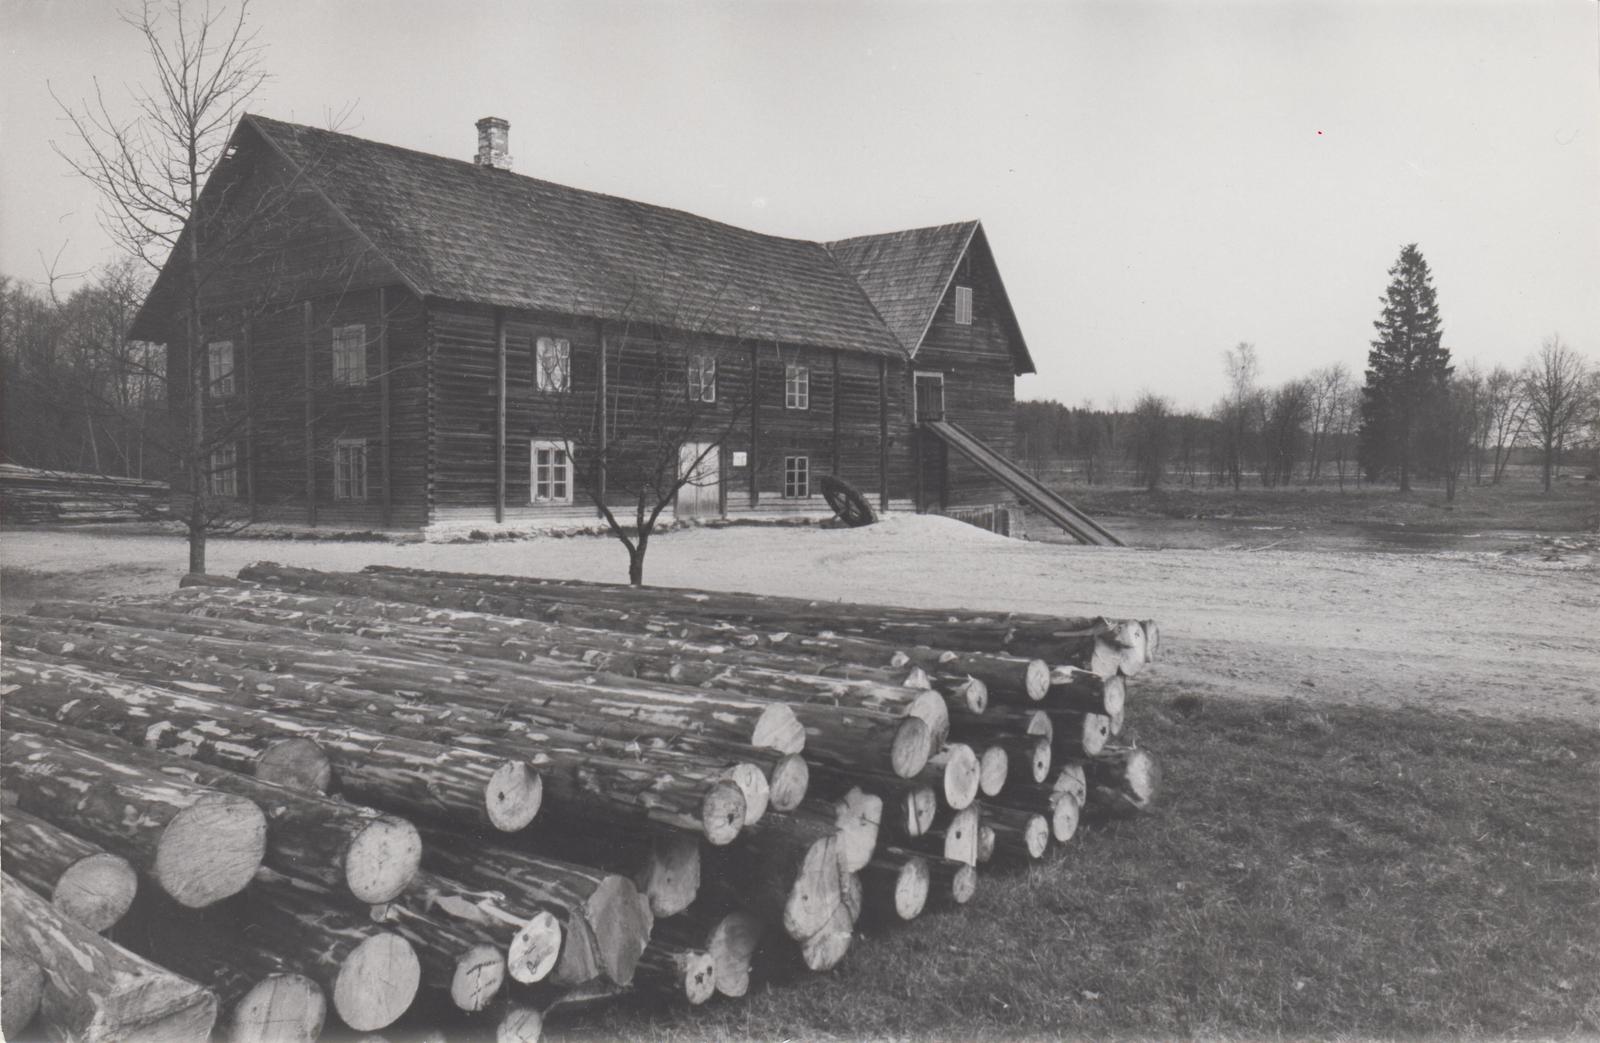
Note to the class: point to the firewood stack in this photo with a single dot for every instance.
(453, 801)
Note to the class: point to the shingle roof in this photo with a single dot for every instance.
(459, 231)
(905, 274)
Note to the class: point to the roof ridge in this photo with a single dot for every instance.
(470, 164)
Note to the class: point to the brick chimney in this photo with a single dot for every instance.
(494, 138)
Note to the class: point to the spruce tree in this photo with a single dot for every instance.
(1406, 369)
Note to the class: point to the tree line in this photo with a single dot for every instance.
(1414, 415)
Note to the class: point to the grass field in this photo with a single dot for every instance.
(1519, 502)
(1312, 871)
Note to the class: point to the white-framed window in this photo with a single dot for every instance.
(219, 365)
(796, 477)
(223, 477)
(350, 354)
(552, 362)
(702, 378)
(552, 473)
(796, 387)
(350, 469)
(963, 306)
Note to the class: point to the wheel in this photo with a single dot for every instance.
(847, 502)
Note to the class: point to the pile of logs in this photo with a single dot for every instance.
(29, 496)
(306, 799)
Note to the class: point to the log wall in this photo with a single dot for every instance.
(979, 384)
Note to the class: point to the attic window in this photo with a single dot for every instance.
(963, 306)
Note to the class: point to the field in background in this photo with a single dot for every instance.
(1325, 517)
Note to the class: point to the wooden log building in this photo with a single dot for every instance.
(399, 340)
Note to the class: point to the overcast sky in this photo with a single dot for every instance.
(1160, 180)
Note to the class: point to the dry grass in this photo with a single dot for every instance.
(1312, 871)
(1518, 503)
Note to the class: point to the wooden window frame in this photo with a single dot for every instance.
(537, 446)
(552, 365)
(347, 486)
(220, 379)
(222, 479)
(350, 354)
(963, 306)
(797, 478)
(701, 389)
(796, 386)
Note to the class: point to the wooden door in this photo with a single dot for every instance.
(701, 495)
(930, 396)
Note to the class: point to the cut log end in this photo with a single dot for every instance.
(479, 975)
(281, 1008)
(779, 729)
(973, 695)
(513, 796)
(825, 950)
(911, 747)
(21, 989)
(1036, 836)
(993, 767)
(924, 807)
(732, 945)
(699, 978)
(1039, 763)
(1116, 695)
(961, 837)
(670, 876)
(933, 711)
(298, 764)
(376, 982)
(754, 788)
(963, 885)
(857, 814)
(96, 891)
(911, 888)
(787, 785)
(1064, 818)
(622, 922)
(520, 1024)
(962, 771)
(211, 849)
(534, 949)
(382, 859)
(1036, 679)
(722, 813)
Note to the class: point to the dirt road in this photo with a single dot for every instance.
(1505, 634)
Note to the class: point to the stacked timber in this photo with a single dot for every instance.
(400, 801)
(30, 496)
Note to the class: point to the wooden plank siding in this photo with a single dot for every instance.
(278, 374)
(463, 407)
(979, 387)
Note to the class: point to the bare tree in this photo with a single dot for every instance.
(1505, 403)
(1238, 414)
(1327, 386)
(1556, 383)
(150, 168)
(653, 419)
